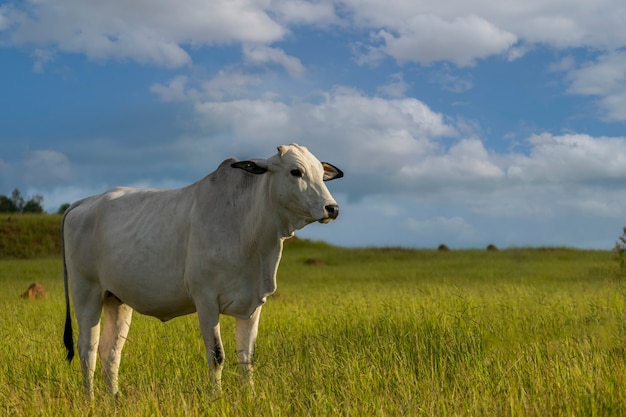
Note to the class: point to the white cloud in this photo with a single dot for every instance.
(350, 124)
(396, 87)
(571, 159)
(368, 54)
(600, 77)
(247, 120)
(374, 136)
(466, 163)
(320, 12)
(226, 84)
(260, 55)
(461, 31)
(569, 24)
(229, 84)
(426, 38)
(175, 90)
(605, 78)
(456, 31)
(147, 32)
(560, 31)
(614, 106)
(517, 51)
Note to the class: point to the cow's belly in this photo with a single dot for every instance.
(152, 297)
(166, 311)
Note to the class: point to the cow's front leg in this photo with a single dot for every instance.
(246, 333)
(210, 328)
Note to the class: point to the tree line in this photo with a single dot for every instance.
(16, 203)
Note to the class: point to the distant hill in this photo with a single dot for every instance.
(30, 235)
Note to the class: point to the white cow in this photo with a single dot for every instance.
(212, 247)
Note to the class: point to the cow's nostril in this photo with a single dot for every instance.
(333, 210)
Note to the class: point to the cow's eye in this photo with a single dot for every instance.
(296, 173)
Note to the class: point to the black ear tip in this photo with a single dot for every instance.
(334, 173)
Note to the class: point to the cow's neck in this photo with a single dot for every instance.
(263, 215)
(263, 231)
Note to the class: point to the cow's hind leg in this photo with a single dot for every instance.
(246, 333)
(88, 307)
(117, 318)
(210, 328)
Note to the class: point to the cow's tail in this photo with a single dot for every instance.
(68, 336)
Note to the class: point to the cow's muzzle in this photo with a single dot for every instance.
(332, 211)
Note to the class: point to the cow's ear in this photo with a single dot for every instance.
(250, 166)
(331, 172)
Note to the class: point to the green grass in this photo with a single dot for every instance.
(376, 332)
(30, 235)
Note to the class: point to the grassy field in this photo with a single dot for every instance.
(362, 332)
(29, 235)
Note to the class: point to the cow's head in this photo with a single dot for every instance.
(297, 183)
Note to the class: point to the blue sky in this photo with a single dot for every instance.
(456, 122)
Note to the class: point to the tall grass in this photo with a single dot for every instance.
(29, 235)
(381, 332)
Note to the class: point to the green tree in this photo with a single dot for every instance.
(7, 205)
(17, 199)
(33, 205)
(63, 208)
(16, 203)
